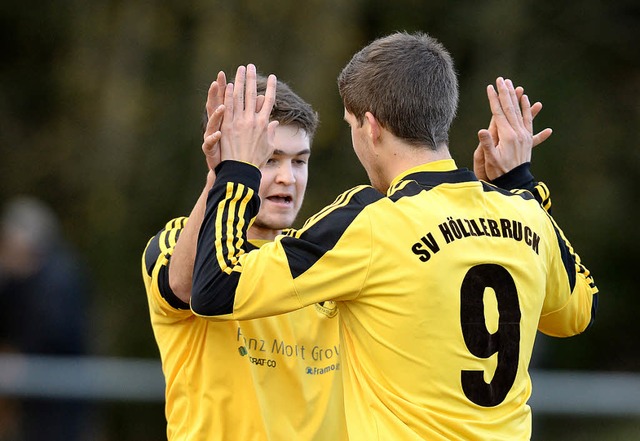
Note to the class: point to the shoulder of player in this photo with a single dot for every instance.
(523, 194)
(342, 212)
(163, 242)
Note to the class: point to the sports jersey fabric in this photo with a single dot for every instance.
(441, 285)
(276, 378)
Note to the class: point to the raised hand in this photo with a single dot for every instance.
(215, 113)
(247, 133)
(509, 139)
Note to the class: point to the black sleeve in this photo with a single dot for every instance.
(521, 178)
(232, 203)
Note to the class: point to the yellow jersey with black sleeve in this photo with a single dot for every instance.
(276, 378)
(441, 286)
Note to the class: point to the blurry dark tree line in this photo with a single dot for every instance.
(101, 101)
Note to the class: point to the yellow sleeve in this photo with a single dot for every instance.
(155, 273)
(572, 296)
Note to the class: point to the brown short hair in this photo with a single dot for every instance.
(289, 108)
(408, 82)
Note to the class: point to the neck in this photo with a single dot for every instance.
(400, 157)
(260, 233)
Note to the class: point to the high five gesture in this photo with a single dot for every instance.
(247, 133)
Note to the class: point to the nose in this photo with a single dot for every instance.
(285, 174)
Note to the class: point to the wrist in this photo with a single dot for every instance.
(518, 177)
(240, 172)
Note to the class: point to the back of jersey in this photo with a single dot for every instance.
(449, 312)
(441, 286)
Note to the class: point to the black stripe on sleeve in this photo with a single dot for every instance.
(213, 289)
(152, 253)
(166, 292)
(236, 234)
(594, 310)
(568, 260)
(320, 237)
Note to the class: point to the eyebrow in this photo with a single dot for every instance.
(301, 152)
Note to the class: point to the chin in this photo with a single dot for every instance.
(275, 223)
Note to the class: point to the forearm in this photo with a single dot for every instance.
(182, 260)
(231, 205)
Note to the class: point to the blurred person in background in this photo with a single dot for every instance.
(43, 298)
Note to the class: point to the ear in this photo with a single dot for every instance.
(374, 128)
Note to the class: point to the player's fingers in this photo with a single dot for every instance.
(211, 98)
(527, 116)
(218, 115)
(210, 110)
(535, 109)
(493, 129)
(478, 155)
(250, 89)
(211, 150)
(519, 92)
(222, 84)
(512, 110)
(542, 136)
(210, 144)
(513, 93)
(259, 102)
(494, 104)
(228, 105)
(238, 88)
(221, 80)
(506, 104)
(269, 96)
(479, 163)
(486, 142)
(271, 132)
(214, 121)
(215, 95)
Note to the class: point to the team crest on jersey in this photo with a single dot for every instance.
(328, 308)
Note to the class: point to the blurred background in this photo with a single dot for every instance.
(100, 110)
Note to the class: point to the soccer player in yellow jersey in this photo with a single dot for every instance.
(276, 378)
(441, 279)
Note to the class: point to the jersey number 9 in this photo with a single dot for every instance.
(483, 344)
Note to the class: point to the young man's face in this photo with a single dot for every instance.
(284, 180)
